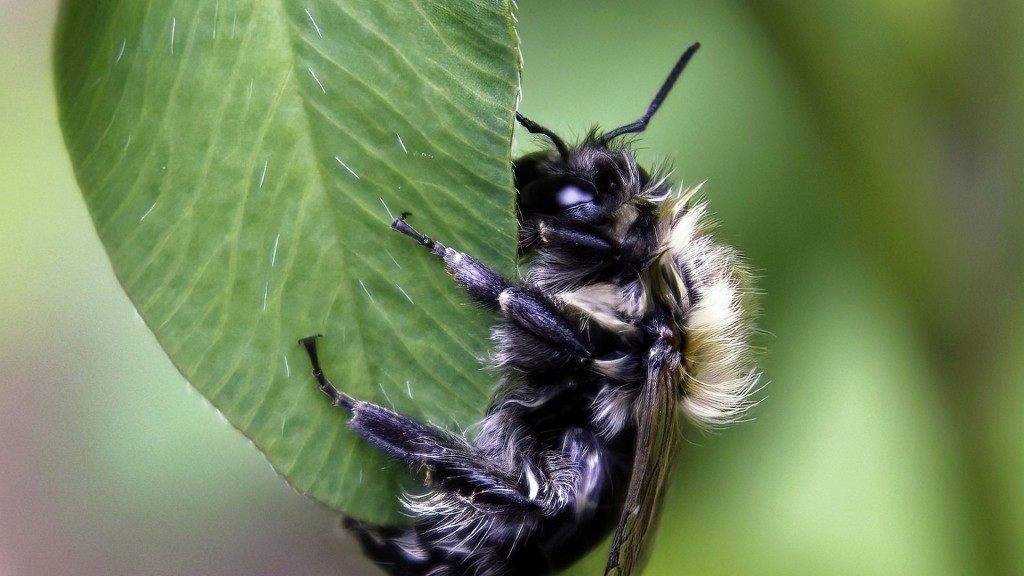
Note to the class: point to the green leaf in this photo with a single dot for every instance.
(239, 160)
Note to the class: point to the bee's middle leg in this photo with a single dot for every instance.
(453, 463)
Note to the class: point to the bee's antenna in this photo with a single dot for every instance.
(534, 128)
(641, 124)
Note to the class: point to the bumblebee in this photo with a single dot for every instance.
(630, 320)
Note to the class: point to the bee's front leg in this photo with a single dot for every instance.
(482, 283)
(521, 304)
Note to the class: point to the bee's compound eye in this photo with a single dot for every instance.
(552, 194)
(572, 195)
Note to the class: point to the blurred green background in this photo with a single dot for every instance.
(865, 155)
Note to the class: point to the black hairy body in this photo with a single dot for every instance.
(629, 320)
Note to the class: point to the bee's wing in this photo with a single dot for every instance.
(657, 436)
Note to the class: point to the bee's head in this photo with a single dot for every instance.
(586, 188)
(586, 185)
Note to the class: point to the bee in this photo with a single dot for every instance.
(630, 320)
